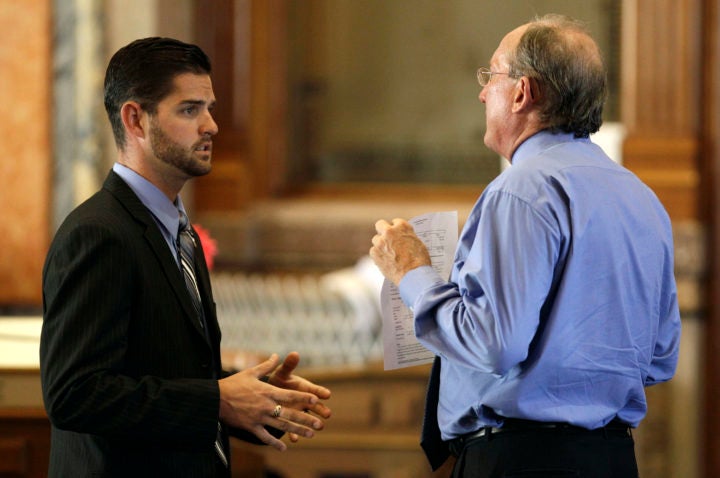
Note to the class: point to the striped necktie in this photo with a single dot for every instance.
(186, 251)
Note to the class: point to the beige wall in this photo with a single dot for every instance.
(25, 169)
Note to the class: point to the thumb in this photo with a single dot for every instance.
(289, 364)
(264, 368)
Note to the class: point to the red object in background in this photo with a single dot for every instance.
(209, 245)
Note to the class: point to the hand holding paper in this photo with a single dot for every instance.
(398, 248)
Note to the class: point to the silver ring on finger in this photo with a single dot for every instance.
(276, 412)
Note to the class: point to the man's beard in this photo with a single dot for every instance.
(173, 154)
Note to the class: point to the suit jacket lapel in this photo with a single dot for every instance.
(118, 188)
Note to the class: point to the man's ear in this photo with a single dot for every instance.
(526, 94)
(133, 118)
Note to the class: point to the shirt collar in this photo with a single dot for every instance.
(541, 141)
(164, 210)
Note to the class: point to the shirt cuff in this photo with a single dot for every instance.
(417, 281)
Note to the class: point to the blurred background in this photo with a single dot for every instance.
(333, 114)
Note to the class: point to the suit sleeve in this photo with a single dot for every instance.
(89, 284)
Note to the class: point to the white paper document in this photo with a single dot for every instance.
(439, 233)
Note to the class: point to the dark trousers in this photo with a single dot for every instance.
(548, 453)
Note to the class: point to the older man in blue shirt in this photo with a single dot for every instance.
(561, 305)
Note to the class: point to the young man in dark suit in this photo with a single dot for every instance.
(130, 351)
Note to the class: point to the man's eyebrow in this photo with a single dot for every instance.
(210, 105)
(193, 102)
(190, 102)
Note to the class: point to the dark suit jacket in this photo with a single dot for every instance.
(127, 371)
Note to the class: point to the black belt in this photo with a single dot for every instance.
(513, 425)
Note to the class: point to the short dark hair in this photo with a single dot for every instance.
(144, 71)
(559, 53)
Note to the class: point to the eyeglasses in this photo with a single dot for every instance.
(484, 75)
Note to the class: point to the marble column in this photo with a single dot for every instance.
(78, 113)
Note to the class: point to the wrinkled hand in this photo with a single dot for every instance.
(397, 250)
(247, 402)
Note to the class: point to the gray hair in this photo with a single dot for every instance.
(561, 56)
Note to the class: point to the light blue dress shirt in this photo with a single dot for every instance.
(164, 211)
(562, 304)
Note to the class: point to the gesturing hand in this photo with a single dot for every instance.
(247, 402)
(283, 377)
